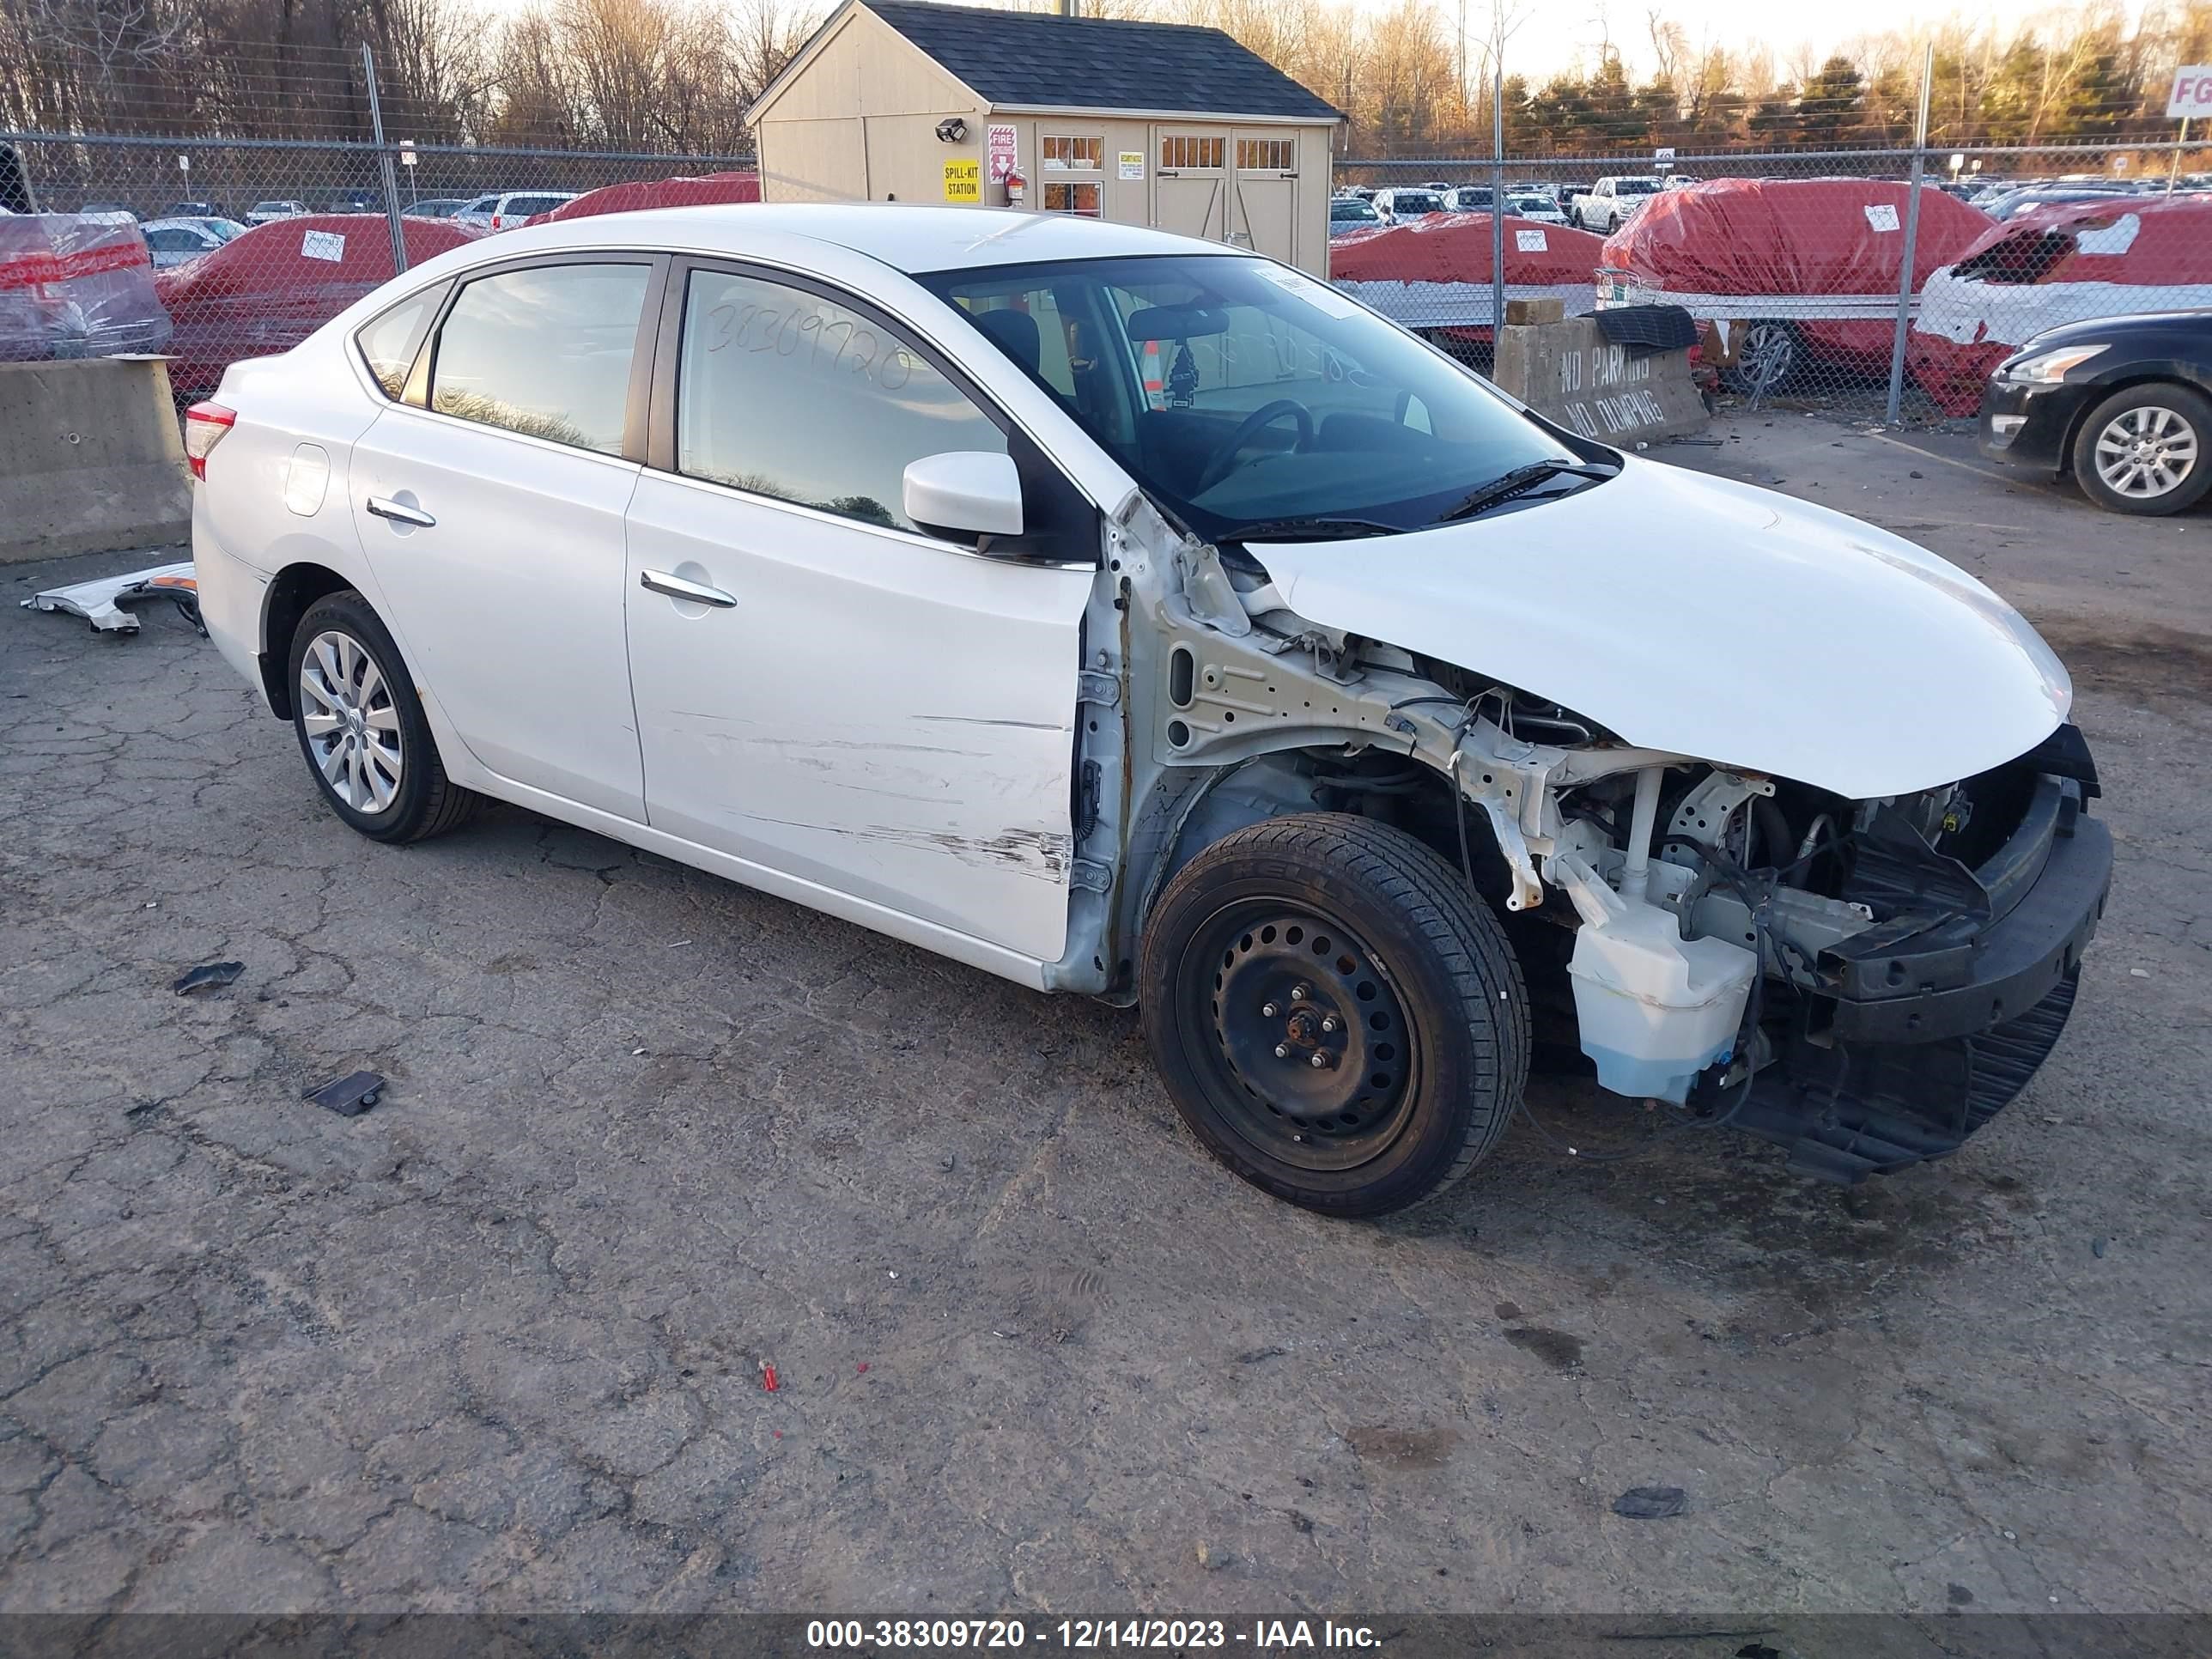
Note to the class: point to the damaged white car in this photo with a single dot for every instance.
(1129, 616)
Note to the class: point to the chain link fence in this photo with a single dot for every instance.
(229, 219)
(1875, 283)
(226, 214)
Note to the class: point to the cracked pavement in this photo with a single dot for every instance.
(496, 1345)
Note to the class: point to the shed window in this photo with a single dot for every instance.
(1265, 155)
(1072, 198)
(1189, 154)
(1064, 153)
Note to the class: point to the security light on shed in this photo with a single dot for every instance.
(952, 130)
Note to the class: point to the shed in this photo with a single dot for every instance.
(1164, 124)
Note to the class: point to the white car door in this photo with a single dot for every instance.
(824, 690)
(490, 504)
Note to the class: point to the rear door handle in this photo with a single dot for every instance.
(399, 513)
(677, 588)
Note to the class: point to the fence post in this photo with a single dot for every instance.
(1497, 206)
(1911, 238)
(384, 165)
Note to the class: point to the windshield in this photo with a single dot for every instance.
(1529, 204)
(1415, 201)
(1239, 392)
(1358, 211)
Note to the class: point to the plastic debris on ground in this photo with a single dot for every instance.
(768, 1377)
(106, 602)
(350, 1096)
(208, 974)
(1651, 1503)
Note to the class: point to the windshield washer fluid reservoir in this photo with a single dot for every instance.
(1654, 1009)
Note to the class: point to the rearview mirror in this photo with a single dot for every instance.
(963, 494)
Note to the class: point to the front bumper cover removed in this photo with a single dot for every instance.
(1925, 1030)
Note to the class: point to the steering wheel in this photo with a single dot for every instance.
(1225, 459)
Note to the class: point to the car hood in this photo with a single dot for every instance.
(1711, 619)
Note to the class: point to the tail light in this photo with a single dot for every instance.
(498, 222)
(206, 424)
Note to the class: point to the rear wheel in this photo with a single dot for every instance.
(2143, 450)
(1336, 1013)
(361, 727)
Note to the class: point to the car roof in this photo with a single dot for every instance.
(906, 236)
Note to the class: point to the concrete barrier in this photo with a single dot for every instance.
(90, 458)
(1571, 373)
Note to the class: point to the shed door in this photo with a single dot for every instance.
(1190, 182)
(1263, 192)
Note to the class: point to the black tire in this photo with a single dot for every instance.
(2188, 408)
(1431, 1048)
(1770, 355)
(423, 801)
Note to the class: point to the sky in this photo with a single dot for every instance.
(1551, 35)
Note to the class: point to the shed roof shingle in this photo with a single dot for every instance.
(1026, 58)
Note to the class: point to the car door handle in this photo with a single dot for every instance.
(399, 513)
(677, 588)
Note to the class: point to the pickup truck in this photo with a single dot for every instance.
(1611, 201)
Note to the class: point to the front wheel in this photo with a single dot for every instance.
(1336, 1013)
(2142, 450)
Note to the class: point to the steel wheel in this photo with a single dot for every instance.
(1310, 1041)
(2147, 452)
(349, 723)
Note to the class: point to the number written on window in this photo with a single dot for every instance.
(786, 393)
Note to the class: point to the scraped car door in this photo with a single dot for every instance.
(824, 690)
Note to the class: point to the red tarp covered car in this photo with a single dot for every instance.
(1803, 270)
(266, 291)
(76, 287)
(2062, 263)
(1434, 272)
(707, 188)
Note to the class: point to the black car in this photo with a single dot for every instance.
(2124, 404)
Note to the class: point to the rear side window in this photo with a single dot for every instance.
(533, 204)
(544, 352)
(785, 393)
(388, 343)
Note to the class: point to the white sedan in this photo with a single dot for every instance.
(1129, 616)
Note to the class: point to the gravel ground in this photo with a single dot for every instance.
(498, 1343)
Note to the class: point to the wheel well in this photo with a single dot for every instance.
(295, 589)
(1390, 789)
(2091, 405)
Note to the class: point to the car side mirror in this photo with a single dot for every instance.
(963, 495)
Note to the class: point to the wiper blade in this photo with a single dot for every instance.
(1315, 529)
(1519, 482)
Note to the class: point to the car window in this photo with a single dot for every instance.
(1239, 391)
(175, 239)
(545, 352)
(529, 205)
(388, 343)
(787, 393)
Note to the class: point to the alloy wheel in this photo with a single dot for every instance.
(2145, 452)
(351, 723)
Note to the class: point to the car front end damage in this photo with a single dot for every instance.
(1865, 978)
(1918, 955)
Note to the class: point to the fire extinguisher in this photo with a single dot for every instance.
(1017, 190)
